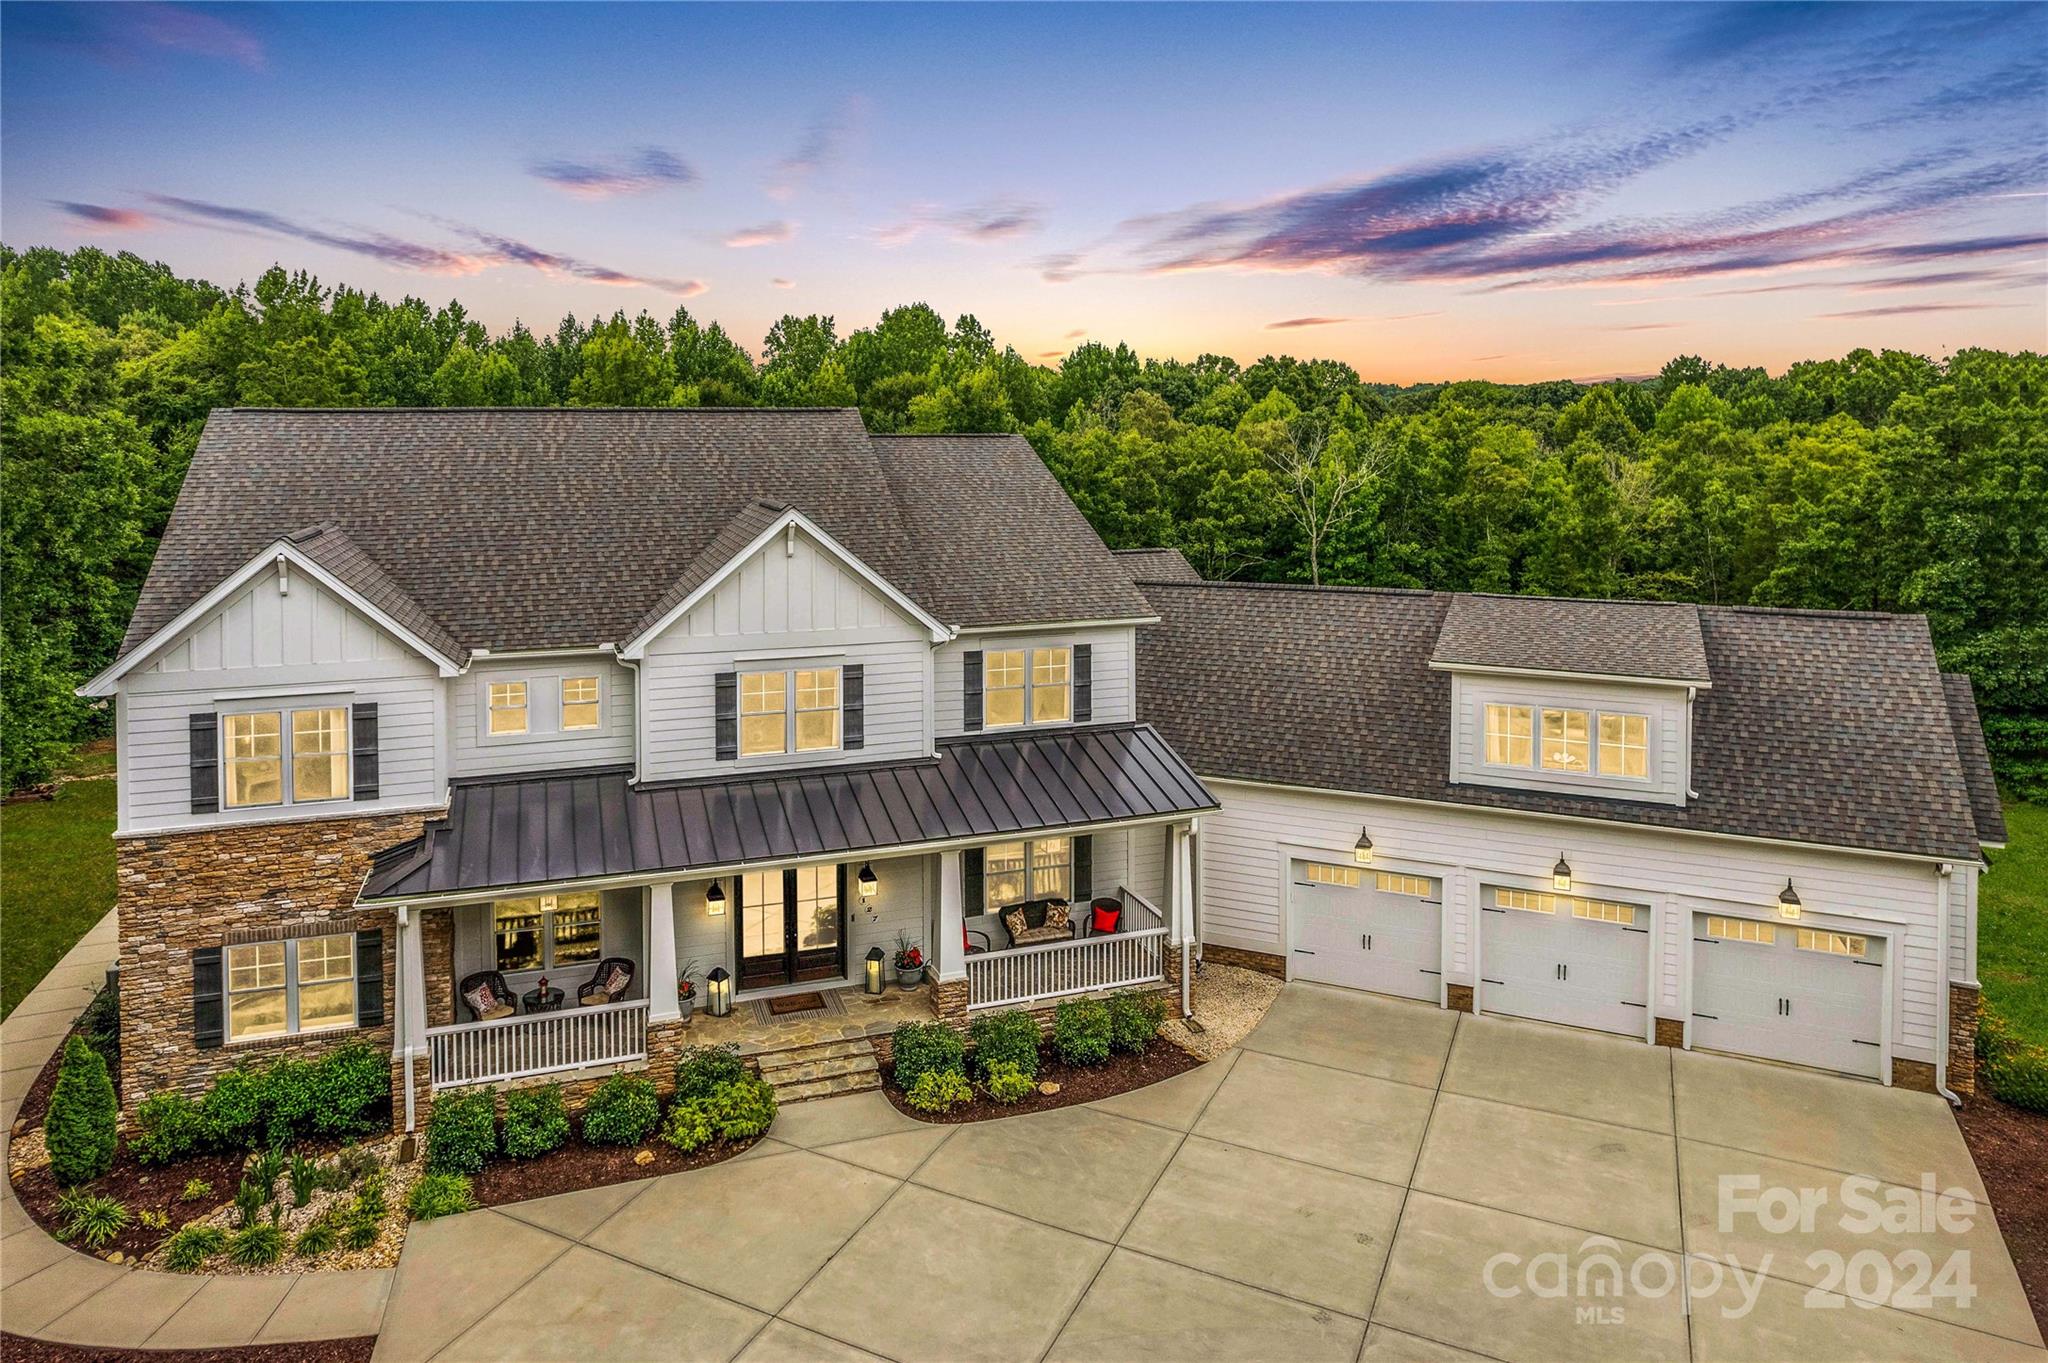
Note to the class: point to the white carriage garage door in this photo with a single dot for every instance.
(1808, 996)
(1565, 958)
(1366, 929)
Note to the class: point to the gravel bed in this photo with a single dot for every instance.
(1228, 1001)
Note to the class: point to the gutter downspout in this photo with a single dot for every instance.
(398, 1000)
(1943, 873)
(1691, 694)
(1186, 869)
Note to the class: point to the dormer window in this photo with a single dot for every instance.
(1608, 743)
(1016, 682)
(1509, 735)
(1566, 745)
(580, 706)
(508, 708)
(1625, 745)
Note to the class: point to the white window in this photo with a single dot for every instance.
(1833, 943)
(1323, 873)
(1601, 911)
(1013, 872)
(1742, 930)
(1528, 901)
(1421, 887)
(1566, 746)
(580, 707)
(258, 748)
(1509, 742)
(1625, 745)
(1540, 901)
(770, 723)
(508, 708)
(307, 984)
(546, 932)
(817, 708)
(764, 713)
(1020, 685)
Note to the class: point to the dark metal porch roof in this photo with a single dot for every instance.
(553, 827)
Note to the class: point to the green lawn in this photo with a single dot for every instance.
(56, 879)
(2012, 924)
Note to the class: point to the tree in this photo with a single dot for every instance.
(80, 1129)
(1321, 480)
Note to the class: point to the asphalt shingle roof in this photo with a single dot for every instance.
(331, 548)
(1976, 758)
(1552, 634)
(1820, 727)
(1157, 565)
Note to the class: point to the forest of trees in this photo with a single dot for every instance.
(1878, 481)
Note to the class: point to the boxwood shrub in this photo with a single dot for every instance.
(701, 1069)
(1134, 1020)
(924, 1047)
(1081, 1032)
(1006, 1083)
(1006, 1038)
(462, 1132)
(623, 1111)
(535, 1121)
(80, 1129)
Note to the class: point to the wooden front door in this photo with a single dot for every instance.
(790, 926)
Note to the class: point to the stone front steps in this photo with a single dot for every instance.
(823, 1070)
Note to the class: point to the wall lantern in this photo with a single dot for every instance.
(868, 883)
(714, 898)
(718, 990)
(1788, 901)
(1363, 849)
(874, 976)
(1561, 874)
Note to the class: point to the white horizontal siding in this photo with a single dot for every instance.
(1112, 670)
(1664, 706)
(903, 889)
(1245, 848)
(474, 752)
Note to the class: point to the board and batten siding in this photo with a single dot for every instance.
(473, 751)
(1246, 845)
(301, 646)
(1112, 671)
(781, 608)
(1664, 706)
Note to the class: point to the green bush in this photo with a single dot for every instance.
(1007, 1084)
(939, 1091)
(1080, 1032)
(742, 1108)
(2012, 1068)
(286, 1095)
(439, 1195)
(360, 1230)
(191, 1246)
(249, 1200)
(168, 1127)
(689, 1127)
(1006, 1038)
(80, 1129)
(256, 1246)
(535, 1121)
(623, 1111)
(701, 1069)
(919, 1048)
(370, 1197)
(232, 1110)
(462, 1132)
(316, 1239)
(306, 1178)
(196, 1188)
(351, 1090)
(90, 1218)
(1134, 1020)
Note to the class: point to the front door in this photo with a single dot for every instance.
(791, 926)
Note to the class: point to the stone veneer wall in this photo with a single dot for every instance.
(182, 891)
(1264, 962)
(1670, 1032)
(1965, 1004)
(1458, 997)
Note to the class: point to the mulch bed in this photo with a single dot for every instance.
(577, 1166)
(1122, 1073)
(21, 1349)
(138, 1188)
(2011, 1150)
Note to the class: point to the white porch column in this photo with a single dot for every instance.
(409, 1032)
(952, 953)
(1180, 884)
(662, 1004)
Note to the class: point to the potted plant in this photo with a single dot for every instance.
(686, 991)
(909, 963)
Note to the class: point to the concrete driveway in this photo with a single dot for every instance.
(1363, 1179)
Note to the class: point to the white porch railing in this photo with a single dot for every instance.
(1112, 961)
(538, 1043)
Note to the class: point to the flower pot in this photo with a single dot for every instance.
(909, 977)
(688, 1004)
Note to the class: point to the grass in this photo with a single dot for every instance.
(2012, 923)
(56, 878)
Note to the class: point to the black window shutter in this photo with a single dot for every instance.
(370, 978)
(209, 1005)
(364, 746)
(205, 731)
(972, 897)
(1084, 868)
(726, 715)
(970, 690)
(853, 701)
(1084, 683)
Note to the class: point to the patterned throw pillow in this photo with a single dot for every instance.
(482, 999)
(1056, 917)
(1014, 921)
(616, 980)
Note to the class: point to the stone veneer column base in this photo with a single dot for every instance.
(1458, 997)
(1670, 1032)
(1965, 1005)
(1913, 1074)
(1266, 963)
(949, 1000)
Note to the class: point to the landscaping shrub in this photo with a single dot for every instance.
(91, 1218)
(535, 1121)
(306, 1177)
(623, 1111)
(701, 1069)
(196, 1188)
(1007, 1084)
(341, 1094)
(939, 1091)
(351, 1164)
(80, 1128)
(249, 1200)
(351, 1088)
(1134, 1020)
(370, 1197)
(286, 1095)
(1081, 1032)
(439, 1195)
(462, 1132)
(923, 1047)
(360, 1230)
(232, 1110)
(2012, 1068)
(689, 1127)
(742, 1108)
(316, 1239)
(256, 1246)
(1006, 1038)
(190, 1246)
(168, 1126)
(152, 1219)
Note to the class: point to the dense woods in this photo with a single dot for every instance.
(1878, 481)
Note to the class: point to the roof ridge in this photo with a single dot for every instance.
(1814, 612)
(1580, 600)
(526, 410)
(1332, 587)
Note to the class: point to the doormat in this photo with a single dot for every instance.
(782, 1005)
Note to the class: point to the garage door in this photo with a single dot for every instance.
(1565, 958)
(1366, 930)
(1808, 996)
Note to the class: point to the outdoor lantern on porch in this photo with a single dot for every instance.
(867, 880)
(1363, 851)
(1561, 874)
(1788, 901)
(714, 899)
(718, 991)
(874, 974)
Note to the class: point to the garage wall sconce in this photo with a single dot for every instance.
(1363, 849)
(1788, 901)
(1561, 874)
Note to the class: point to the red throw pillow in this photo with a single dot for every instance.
(1107, 918)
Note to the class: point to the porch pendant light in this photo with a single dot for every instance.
(1788, 901)
(1363, 849)
(1561, 874)
(868, 883)
(714, 898)
(718, 991)
(874, 970)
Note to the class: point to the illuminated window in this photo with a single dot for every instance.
(1742, 930)
(1566, 746)
(579, 703)
(508, 707)
(546, 932)
(319, 755)
(1322, 873)
(794, 711)
(1540, 901)
(1421, 887)
(258, 748)
(1020, 686)
(1833, 943)
(1013, 872)
(255, 759)
(1508, 738)
(279, 988)
(1002, 683)
(1625, 745)
(764, 713)
(1052, 687)
(817, 709)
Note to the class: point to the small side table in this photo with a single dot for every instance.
(537, 1002)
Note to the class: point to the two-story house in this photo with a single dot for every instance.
(418, 708)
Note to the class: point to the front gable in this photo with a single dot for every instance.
(260, 627)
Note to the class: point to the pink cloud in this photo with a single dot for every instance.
(100, 215)
(762, 234)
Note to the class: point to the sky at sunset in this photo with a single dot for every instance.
(1426, 192)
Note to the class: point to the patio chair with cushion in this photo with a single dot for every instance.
(613, 978)
(1105, 916)
(1038, 920)
(487, 996)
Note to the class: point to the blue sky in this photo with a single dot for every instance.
(1435, 191)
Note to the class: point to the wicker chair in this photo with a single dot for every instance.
(592, 991)
(508, 1001)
